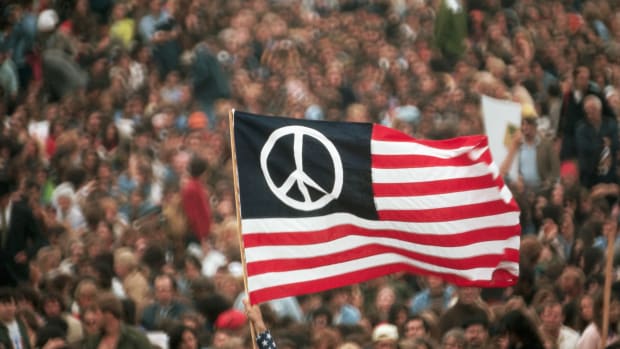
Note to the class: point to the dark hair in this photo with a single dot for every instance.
(129, 311)
(322, 311)
(173, 282)
(53, 297)
(425, 323)
(212, 305)
(552, 212)
(521, 329)
(176, 336)
(54, 328)
(193, 260)
(28, 294)
(7, 295)
(477, 319)
(197, 166)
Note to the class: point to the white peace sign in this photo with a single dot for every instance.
(298, 176)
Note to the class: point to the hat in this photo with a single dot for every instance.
(47, 20)
(230, 320)
(197, 120)
(568, 169)
(385, 332)
(528, 112)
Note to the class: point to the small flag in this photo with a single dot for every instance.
(329, 204)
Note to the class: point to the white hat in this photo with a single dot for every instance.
(47, 20)
(385, 332)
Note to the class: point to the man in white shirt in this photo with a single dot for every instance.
(552, 319)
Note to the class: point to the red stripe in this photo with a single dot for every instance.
(419, 161)
(433, 187)
(382, 133)
(501, 278)
(445, 214)
(487, 259)
(336, 232)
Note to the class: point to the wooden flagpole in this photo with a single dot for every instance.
(231, 127)
(611, 239)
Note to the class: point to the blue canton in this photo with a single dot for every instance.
(265, 341)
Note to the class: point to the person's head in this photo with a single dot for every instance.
(586, 307)
(571, 281)
(192, 267)
(581, 78)
(468, 295)
(165, 289)
(453, 339)
(155, 6)
(520, 330)
(476, 332)
(197, 166)
(435, 284)
(385, 298)
(593, 106)
(53, 305)
(416, 327)
(552, 316)
(321, 318)
(529, 121)
(111, 307)
(230, 324)
(124, 262)
(183, 337)
(385, 336)
(91, 320)
(8, 306)
(86, 293)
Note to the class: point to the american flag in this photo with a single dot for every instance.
(328, 204)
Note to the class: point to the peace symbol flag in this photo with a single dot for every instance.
(328, 204)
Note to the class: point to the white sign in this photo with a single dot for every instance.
(502, 118)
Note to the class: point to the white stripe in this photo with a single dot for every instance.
(408, 148)
(494, 169)
(425, 174)
(261, 281)
(267, 225)
(434, 201)
(511, 267)
(346, 243)
(476, 153)
(506, 194)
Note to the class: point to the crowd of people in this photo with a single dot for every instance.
(118, 225)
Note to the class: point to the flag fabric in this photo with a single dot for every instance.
(329, 204)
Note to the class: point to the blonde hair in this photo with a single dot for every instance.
(125, 257)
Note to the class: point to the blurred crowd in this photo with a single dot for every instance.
(117, 209)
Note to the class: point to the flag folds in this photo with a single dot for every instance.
(328, 204)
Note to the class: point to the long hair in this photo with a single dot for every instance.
(521, 330)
